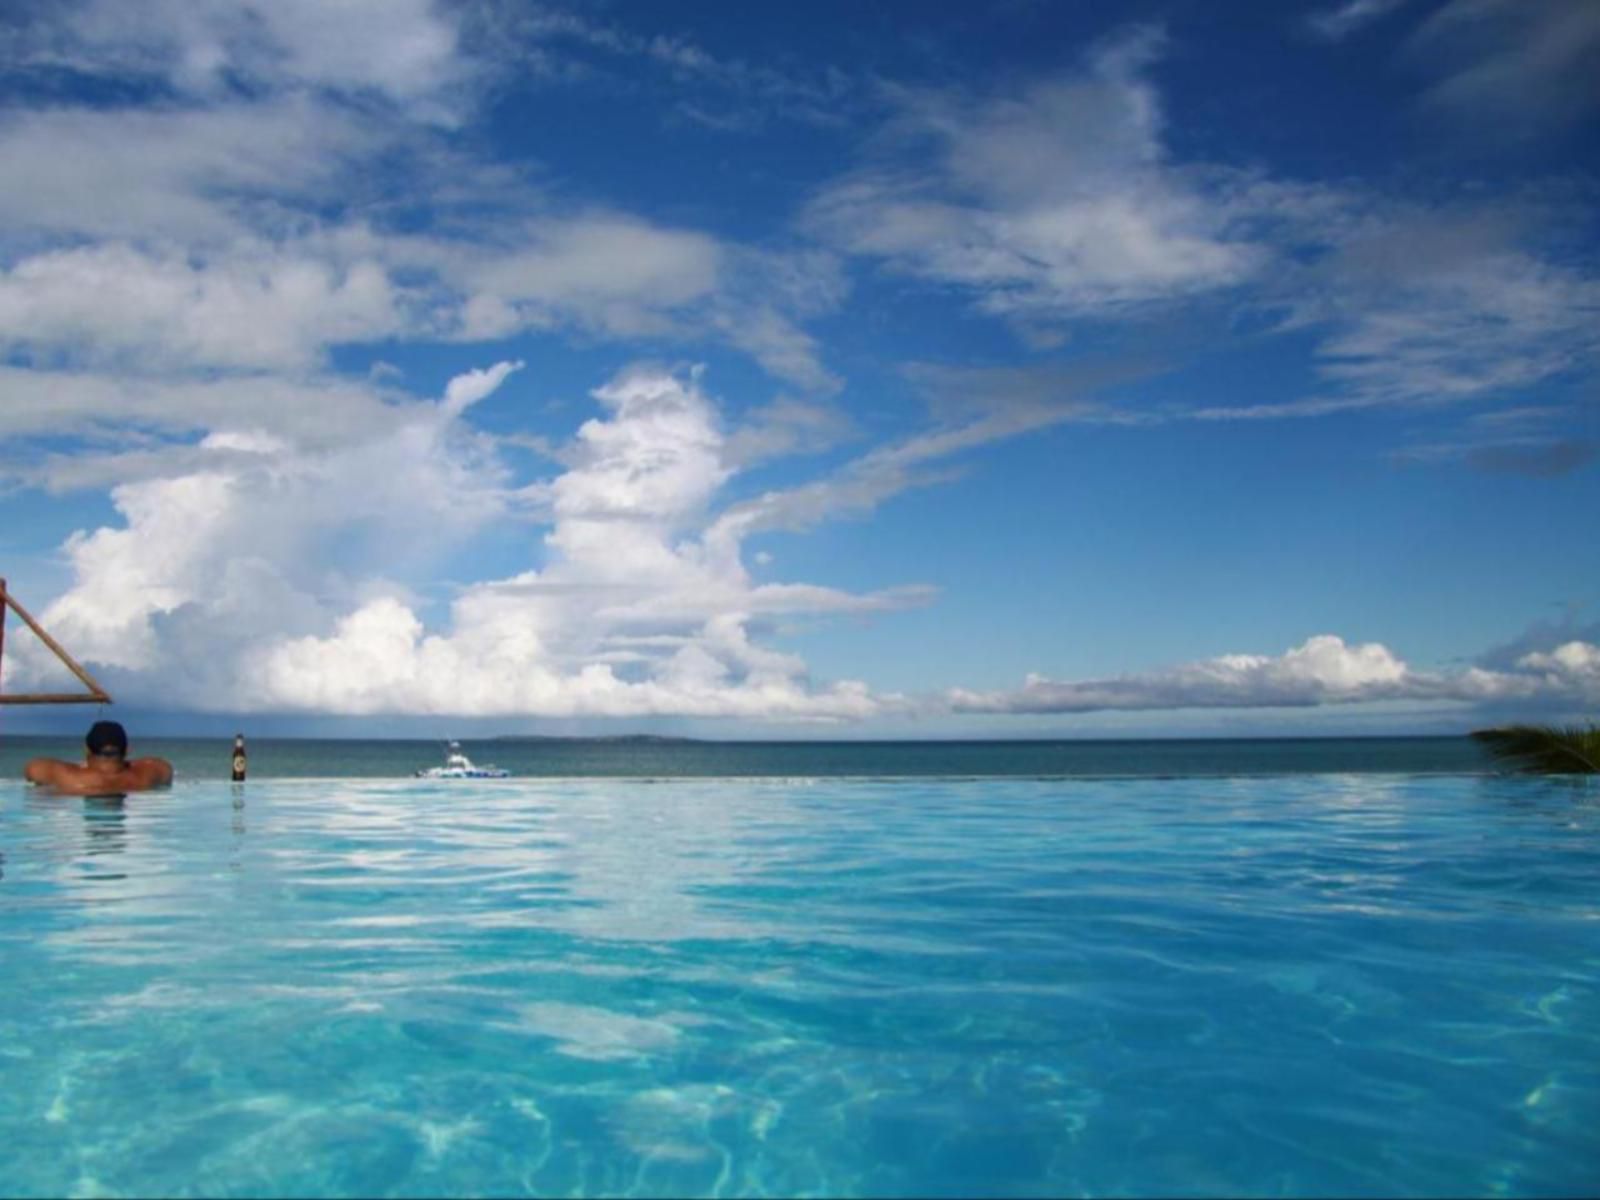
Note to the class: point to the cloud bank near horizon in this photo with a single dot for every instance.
(265, 575)
(1323, 670)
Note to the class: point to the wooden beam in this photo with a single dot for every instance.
(96, 693)
(54, 698)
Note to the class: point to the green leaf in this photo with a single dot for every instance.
(1544, 749)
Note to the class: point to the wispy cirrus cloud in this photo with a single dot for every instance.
(1432, 305)
(1340, 21)
(1060, 203)
(1537, 442)
(569, 45)
(1422, 316)
(1055, 202)
(1513, 69)
(1509, 69)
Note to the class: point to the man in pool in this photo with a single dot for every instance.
(106, 769)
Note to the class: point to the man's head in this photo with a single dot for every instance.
(107, 740)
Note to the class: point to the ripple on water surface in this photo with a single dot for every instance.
(1298, 986)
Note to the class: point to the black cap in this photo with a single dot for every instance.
(107, 738)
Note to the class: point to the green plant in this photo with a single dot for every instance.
(1544, 749)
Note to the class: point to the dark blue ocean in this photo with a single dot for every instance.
(197, 758)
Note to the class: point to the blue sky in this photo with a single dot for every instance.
(1014, 370)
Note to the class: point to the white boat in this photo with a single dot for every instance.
(458, 766)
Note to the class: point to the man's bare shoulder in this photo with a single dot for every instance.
(155, 772)
(138, 776)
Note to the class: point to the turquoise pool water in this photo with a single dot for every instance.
(1306, 985)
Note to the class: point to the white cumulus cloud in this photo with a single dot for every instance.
(635, 613)
(267, 574)
(256, 532)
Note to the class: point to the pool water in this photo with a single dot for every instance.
(1298, 986)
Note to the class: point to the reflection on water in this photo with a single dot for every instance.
(235, 859)
(1573, 801)
(105, 819)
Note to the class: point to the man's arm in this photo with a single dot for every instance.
(43, 770)
(152, 772)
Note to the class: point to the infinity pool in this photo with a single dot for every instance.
(1316, 985)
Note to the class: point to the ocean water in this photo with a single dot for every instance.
(308, 758)
(1285, 985)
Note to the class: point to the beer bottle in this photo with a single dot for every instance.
(239, 758)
